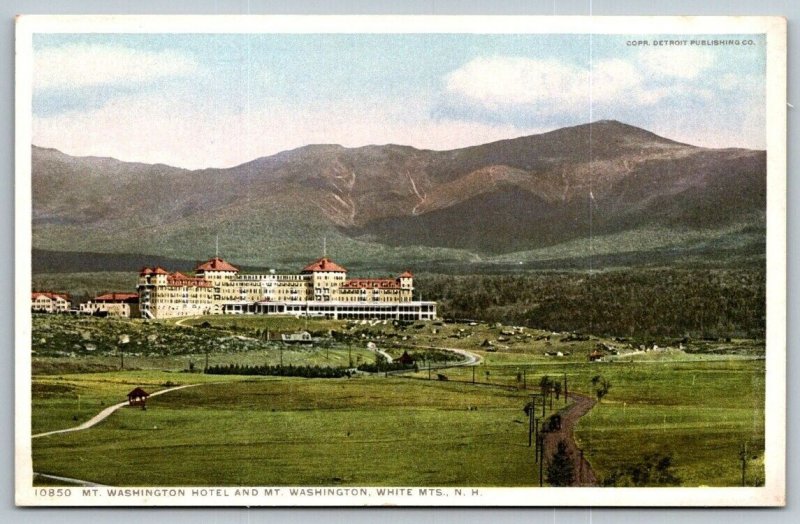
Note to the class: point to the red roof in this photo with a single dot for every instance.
(49, 294)
(406, 274)
(145, 271)
(324, 265)
(179, 279)
(158, 270)
(371, 283)
(216, 264)
(117, 297)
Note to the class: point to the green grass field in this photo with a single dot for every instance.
(698, 411)
(364, 431)
(697, 407)
(395, 431)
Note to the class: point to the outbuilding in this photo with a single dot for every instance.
(138, 397)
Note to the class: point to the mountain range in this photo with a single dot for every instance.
(592, 192)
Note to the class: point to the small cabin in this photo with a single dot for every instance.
(138, 397)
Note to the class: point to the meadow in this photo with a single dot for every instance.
(287, 431)
(696, 407)
(698, 411)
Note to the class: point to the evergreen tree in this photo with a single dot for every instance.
(560, 471)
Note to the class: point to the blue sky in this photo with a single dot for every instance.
(197, 100)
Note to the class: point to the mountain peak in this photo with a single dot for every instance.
(512, 195)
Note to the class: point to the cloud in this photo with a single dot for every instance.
(676, 62)
(500, 81)
(548, 86)
(85, 65)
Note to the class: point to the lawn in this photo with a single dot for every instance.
(699, 411)
(365, 431)
(408, 431)
(64, 401)
(697, 406)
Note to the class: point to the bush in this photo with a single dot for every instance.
(654, 470)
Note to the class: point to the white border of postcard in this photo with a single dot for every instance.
(772, 494)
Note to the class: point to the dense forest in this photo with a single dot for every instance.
(632, 302)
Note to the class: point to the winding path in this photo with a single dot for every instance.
(106, 413)
(69, 480)
(584, 474)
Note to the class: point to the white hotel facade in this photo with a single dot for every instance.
(321, 289)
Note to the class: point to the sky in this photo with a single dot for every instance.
(218, 100)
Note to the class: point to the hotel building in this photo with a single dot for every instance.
(321, 289)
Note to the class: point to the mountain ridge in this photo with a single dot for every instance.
(517, 194)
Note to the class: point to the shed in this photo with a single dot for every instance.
(137, 397)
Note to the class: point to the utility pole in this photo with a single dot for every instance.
(544, 398)
(429, 367)
(530, 425)
(565, 388)
(743, 458)
(206, 368)
(541, 458)
(530, 409)
(536, 436)
(473, 374)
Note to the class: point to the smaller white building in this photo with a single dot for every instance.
(48, 302)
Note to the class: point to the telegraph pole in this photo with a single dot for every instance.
(541, 458)
(473, 374)
(544, 398)
(530, 424)
(565, 388)
(743, 458)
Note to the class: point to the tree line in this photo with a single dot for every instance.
(701, 303)
(278, 370)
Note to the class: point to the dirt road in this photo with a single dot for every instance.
(584, 475)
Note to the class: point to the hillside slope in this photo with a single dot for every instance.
(396, 203)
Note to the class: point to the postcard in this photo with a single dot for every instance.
(400, 260)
